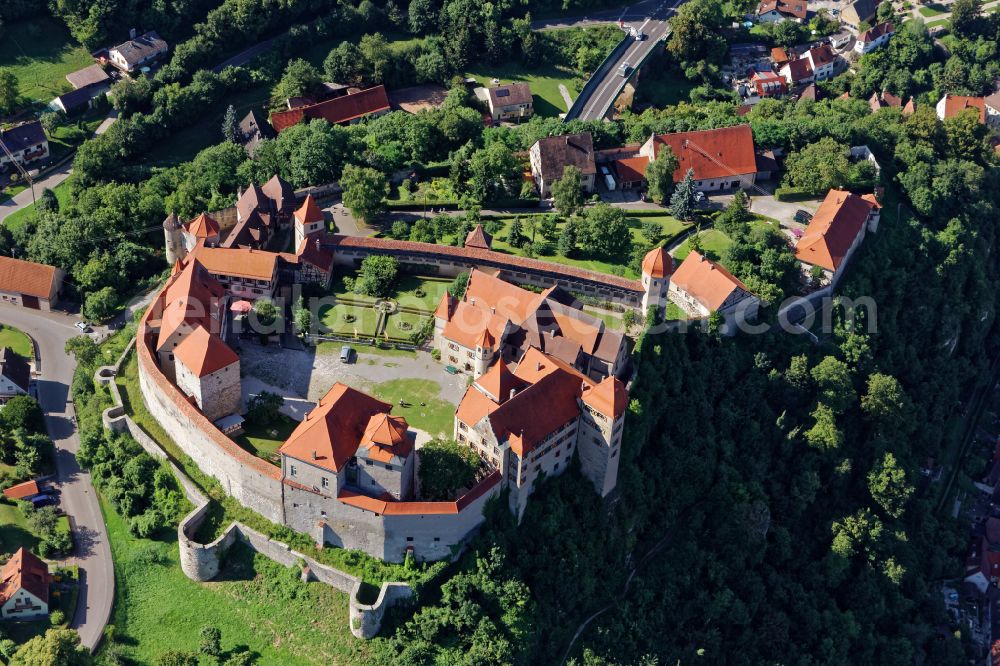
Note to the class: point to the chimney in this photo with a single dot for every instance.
(314, 455)
(538, 366)
(131, 33)
(512, 392)
(493, 310)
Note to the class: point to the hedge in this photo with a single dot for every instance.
(793, 194)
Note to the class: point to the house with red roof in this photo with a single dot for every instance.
(23, 491)
(208, 372)
(29, 284)
(344, 110)
(701, 286)
(722, 159)
(497, 319)
(874, 37)
(776, 11)
(24, 587)
(836, 231)
(768, 84)
(530, 420)
(987, 108)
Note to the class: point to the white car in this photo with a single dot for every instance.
(82, 325)
(699, 196)
(624, 69)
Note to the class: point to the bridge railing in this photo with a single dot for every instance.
(596, 78)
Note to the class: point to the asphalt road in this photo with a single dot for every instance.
(50, 331)
(607, 83)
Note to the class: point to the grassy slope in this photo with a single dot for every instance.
(16, 340)
(544, 82)
(20, 218)
(41, 53)
(14, 531)
(256, 603)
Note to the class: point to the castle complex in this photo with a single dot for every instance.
(547, 378)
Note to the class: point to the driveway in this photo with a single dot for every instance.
(50, 331)
(22, 199)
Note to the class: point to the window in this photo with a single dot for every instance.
(322, 514)
(436, 539)
(462, 426)
(388, 466)
(325, 482)
(369, 463)
(409, 538)
(292, 470)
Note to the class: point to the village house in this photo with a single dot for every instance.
(26, 490)
(254, 128)
(815, 64)
(512, 101)
(529, 421)
(768, 84)
(88, 83)
(874, 38)
(343, 110)
(858, 12)
(886, 99)
(836, 230)
(496, 319)
(25, 283)
(950, 106)
(550, 156)
(701, 286)
(25, 142)
(722, 159)
(24, 587)
(775, 11)
(15, 375)
(137, 52)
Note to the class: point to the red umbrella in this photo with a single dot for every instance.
(241, 307)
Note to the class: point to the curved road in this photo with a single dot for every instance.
(50, 331)
(607, 83)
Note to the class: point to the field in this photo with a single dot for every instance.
(19, 219)
(41, 53)
(255, 603)
(16, 340)
(544, 82)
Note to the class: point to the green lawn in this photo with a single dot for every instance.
(673, 312)
(255, 603)
(41, 53)
(17, 220)
(404, 324)
(433, 289)
(265, 441)
(16, 340)
(365, 317)
(14, 531)
(932, 10)
(610, 320)
(713, 244)
(940, 22)
(544, 82)
(333, 349)
(423, 409)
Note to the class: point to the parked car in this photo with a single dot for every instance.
(699, 196)
(803, 216)
(345, 354)
(624, 69)
(44, 499)
(82, 325)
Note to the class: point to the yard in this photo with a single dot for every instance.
(932, 10)
(663, 87)
(255, 603)
(264, 441)
(713, 243)
(421, 404)
(544, 82)
(40, 53)
(17, 341)
(18, 219)
(14, 531)
(355, 314)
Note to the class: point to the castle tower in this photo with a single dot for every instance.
(308, 219)
(172, 241)
(657, 267)
(600, 432)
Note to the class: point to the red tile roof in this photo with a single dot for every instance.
(609, 397)
(478, 238)
(833, 229)
(386, 437)
(309, 211)
(875, 32)
(707, 282)
(389, 507)
(331, 433)
(22, 490)
(337, 110)
(24, 571)
(239, 262)
(955, 104)
(796, 8)
(203, 226)
(631, 169)
(204, 353)
(190, 298)
(657, 263)
(499, 383)
(797, 70)
(27, 277)
(719, 153)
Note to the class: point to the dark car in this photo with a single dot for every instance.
(803, 216)
(44, 499)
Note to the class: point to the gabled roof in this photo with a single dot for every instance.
(821, 55)
(445, 306)
(863, 10)
(537, 411)
(797, 70)
(331, 433)
(204, 353)
(190, 299)
(718, 153)
(309, 211)
(956, 104)
(779, 56)
(23, 136)
(609, 397)
(24, 571)
(15, 368)
(337, 110)
(558, 152)
(252, 232)
(310, 253)
(510, 94)
(253, 199)
(707, 282)
(281, 192)
(795, 8)
(240, 262)
(658, 263)
(833, 228)
(631, 169)
(26, 277)
(505, 299)
(479, 238)
(203, 226)
(22, 490)
(141, 47)
(255, 128)
(875, 32)
(499, 383)
(87, 76)
(467, 323)
(387, 437)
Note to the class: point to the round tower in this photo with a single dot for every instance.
(657, 267)
(172, 240)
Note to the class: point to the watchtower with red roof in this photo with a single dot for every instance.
(657, 267)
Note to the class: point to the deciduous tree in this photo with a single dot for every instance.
(365, 190)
